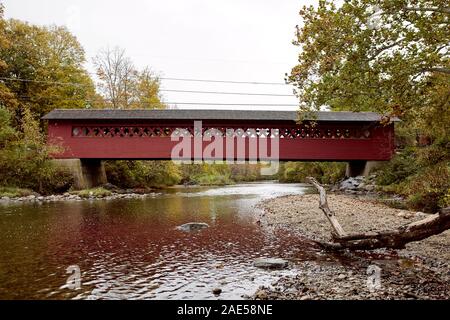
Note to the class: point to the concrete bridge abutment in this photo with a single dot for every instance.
(361, 167)
(87, 173)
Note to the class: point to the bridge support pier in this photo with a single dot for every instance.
(361, 168)
(87, 173)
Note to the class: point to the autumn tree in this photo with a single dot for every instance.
(122, 85)
(43, 69)
(146, 91)
(7, 97)
(390, 56)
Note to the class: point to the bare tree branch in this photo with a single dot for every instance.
(116, 72)
(439, 10)
(438, 69)
(382, 49)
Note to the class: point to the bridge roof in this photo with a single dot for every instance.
(185, 114)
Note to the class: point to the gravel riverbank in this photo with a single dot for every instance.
(421, 271)
(74, 197)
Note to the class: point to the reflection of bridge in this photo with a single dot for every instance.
(92, 135)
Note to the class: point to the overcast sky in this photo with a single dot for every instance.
(239, 40)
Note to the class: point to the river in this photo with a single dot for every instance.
(131, 249)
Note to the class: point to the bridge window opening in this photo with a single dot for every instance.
(76, 131)
(290, 132)
(347, 133)
(166, 132)
(251, 133)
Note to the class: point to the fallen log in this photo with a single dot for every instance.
(395, 239)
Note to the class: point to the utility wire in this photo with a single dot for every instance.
(233, 104)
(161, 78)
(233, 93)
(170, 90)
(30, 99)
(225, 81)
(162, 90)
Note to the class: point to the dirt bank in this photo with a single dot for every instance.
(420, 271)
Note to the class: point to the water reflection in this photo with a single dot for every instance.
(130, 248)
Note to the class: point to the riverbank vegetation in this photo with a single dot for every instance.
(150, 174)
(24, 159)
(94, 192)
(325, 172)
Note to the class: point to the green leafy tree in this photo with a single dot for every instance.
(390, 56)
(146, 92)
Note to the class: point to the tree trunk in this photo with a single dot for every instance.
(396, 239)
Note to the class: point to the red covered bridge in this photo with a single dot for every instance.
(94, 135)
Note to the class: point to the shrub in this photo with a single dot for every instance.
(421, 174)
(142, 174)
(401, 166)
(429, 189)
(206, 174)
(58, 180)
(24, 157)
(324, 172)
(211, 180)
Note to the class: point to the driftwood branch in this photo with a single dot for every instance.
(396, 239)
(323, 205)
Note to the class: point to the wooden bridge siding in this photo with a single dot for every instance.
(380, 145)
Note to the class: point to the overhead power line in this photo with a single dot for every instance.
(162, 89)
(161, 78)
(171, 90)
(232, 93)
(234, 104)
(27, 98)
(225, 81)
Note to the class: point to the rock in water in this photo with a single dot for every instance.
(270, 263)
(193, 226)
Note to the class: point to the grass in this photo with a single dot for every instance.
(13, 192)
(94, 192)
